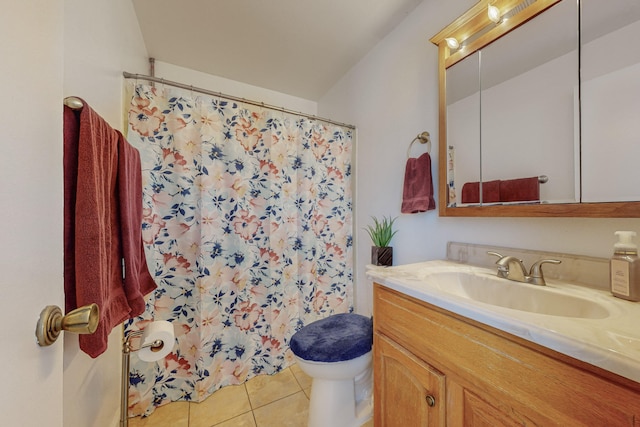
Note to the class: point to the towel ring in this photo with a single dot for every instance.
(424, 138)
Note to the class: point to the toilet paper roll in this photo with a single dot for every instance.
(160, 330)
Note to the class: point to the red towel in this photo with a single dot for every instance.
(98, 233)
(520, 190)
(490, 192)
(137, 280)
(417, 194)
(70, 162)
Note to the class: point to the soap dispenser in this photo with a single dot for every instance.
(624, 267)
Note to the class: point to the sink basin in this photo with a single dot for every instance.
(490, 289)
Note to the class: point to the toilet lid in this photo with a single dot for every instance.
(337, 338)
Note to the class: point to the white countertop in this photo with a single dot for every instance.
(611, 343)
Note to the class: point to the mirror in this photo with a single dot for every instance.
(491, 138)
(537, 137)
(610, 94)
(463, 125)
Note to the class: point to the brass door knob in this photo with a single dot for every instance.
(82, 320)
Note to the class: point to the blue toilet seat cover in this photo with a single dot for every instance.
(337, 338)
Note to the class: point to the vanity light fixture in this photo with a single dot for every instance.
(453, 43)
(494, 14)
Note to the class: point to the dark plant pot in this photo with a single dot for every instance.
(382, 256)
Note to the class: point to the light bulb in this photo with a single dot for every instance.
(494, 14)
(452, 42)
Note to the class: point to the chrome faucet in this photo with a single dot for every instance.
(512, 268)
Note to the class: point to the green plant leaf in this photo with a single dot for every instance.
(381, 232)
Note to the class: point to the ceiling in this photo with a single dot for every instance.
(297, 47)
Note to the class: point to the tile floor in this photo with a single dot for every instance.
(280, 400)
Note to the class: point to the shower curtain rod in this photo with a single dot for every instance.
(230, 97)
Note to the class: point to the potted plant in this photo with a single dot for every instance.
(381, 233)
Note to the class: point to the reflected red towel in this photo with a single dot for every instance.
(490, 192)
(94, 244)
(520, 190)
(417, 194)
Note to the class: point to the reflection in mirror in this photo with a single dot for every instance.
(610, 93)
(529, 81)
(463, 126)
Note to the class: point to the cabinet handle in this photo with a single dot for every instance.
(431, 401)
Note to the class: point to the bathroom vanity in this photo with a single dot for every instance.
(442, 357)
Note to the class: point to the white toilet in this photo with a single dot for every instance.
(336, 353)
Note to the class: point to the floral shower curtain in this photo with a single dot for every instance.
(248, 232)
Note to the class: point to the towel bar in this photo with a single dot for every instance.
(73, 103)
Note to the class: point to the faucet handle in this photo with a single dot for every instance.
(536, 275)
(503, 270)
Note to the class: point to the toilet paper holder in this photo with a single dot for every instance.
(156, 345)
(127, 348)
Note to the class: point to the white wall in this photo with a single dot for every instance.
(101, 40)
(392, 95)
(231, 87)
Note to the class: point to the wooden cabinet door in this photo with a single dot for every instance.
(408, 392)
(479, 413)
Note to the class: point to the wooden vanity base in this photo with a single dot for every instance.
(435, 368)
